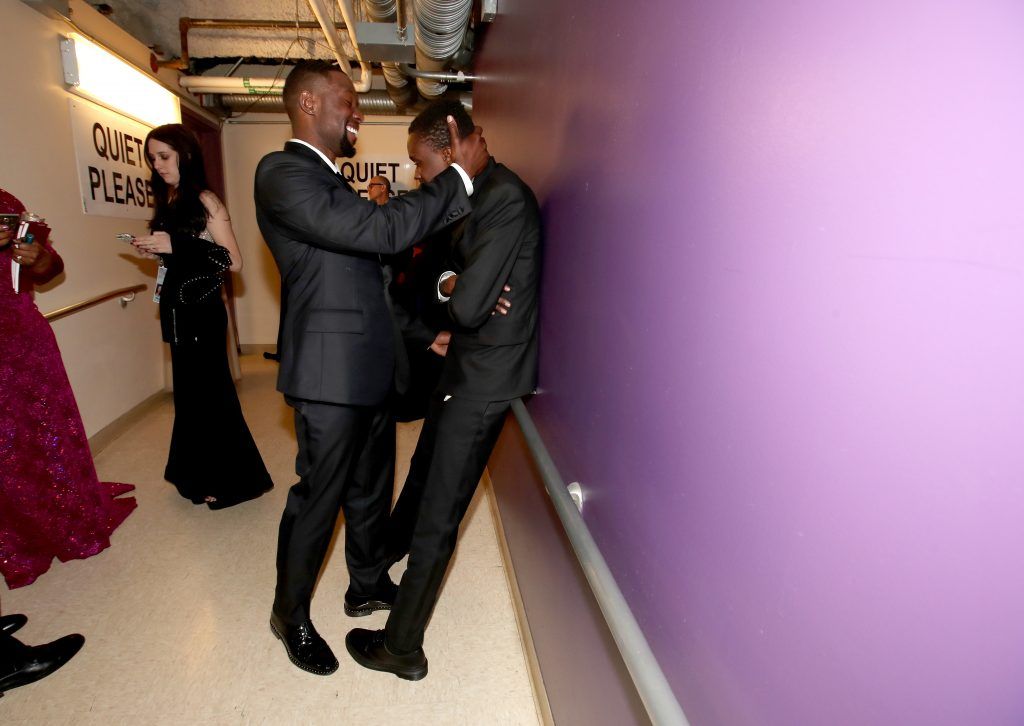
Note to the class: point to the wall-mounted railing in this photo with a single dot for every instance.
(650, 681)
(127, 294)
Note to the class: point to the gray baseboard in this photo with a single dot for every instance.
(103, 438)
(257, 348)
(540, 695)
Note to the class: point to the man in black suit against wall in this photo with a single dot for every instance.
(337, 344)
(491, 360)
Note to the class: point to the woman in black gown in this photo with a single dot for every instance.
(213, 457)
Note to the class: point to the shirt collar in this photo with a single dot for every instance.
(331, 164)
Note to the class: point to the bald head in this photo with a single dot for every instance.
(378, 189)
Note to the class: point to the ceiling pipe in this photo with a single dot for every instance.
(232, 84)
(187, 24)
(401, 19)
(440, 28)
(377, 103)
(319, 11)
(366, 78)
(399, 88)
(457, 77)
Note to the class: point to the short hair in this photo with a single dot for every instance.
(432, 125)
(302, 77)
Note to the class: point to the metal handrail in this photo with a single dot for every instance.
(127, 294)
(650, 681)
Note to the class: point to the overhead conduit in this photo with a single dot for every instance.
(440, 27)
(377, 103)
(401, 90)
(231, 84)
(319, 10)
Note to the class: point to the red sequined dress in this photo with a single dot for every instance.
(51, 501)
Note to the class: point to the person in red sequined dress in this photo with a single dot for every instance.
(51, 502)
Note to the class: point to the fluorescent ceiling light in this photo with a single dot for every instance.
(101, 76)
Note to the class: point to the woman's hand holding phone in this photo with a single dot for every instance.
(158, 243)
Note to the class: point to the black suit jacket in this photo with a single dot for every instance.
(494, 357)
(337, 342)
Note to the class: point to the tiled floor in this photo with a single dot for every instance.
(175, 612)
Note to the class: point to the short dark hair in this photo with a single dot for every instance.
(302, 76)
(432, 126)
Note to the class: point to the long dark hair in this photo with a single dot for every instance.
(185, 212)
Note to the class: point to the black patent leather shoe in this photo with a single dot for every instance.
(305, 648)
(383, 599)
(368, 649)
(10, 624)
(21, 664)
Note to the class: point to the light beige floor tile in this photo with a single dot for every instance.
(175, 612)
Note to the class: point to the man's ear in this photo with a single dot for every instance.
(308, 102)
(446, 154)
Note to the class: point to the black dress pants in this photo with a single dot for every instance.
(346, 463)
(451, 454)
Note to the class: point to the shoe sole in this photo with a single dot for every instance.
(299, 664)
(416, 675)
(363, 612)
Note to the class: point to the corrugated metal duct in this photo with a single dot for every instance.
(440, 28)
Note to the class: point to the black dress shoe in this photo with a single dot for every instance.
(368, 649)
(305, 648)
(21, 664)
(383, 599)
(10, 624)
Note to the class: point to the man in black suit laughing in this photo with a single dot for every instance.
(491, 360)
(337, 344)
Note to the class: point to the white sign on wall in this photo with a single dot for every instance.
(112, 171)
(359, 170)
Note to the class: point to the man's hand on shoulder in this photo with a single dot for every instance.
(470, 152)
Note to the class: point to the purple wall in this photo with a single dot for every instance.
(783, 338)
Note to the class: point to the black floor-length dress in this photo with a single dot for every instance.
(212, 452)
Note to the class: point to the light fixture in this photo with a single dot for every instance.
(99, 75)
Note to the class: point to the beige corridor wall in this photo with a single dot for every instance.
(113, 356)
(257, 288)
